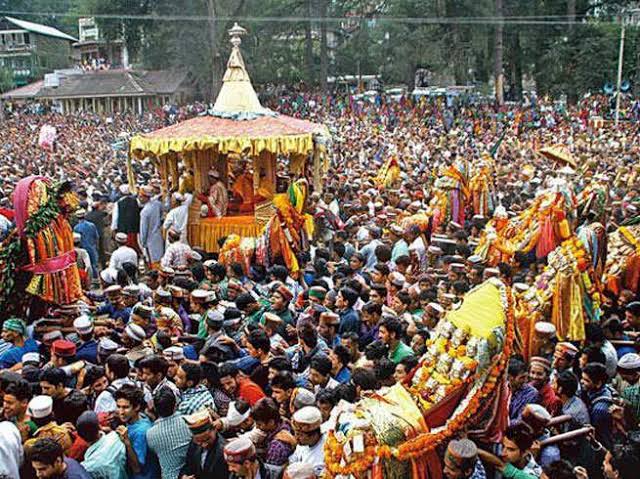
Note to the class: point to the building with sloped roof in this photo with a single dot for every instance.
(29, 50)
(112, 91)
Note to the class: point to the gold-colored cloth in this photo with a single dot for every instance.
(206, 233)
(567, 314)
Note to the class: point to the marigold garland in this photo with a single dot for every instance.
(419, 446)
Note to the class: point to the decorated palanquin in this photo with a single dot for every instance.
(542, 227)
(285, 235)
(459, 385)
(243, 143)
(41, 245)
(388, 174)
(567, 294)
(481, 187)
(450, 194)
(622, 268)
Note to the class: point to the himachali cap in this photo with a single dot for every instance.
(63, 348)
(77, 237)
(307, 419)
(176, 291)
(210, 263)
(199, 422)
(462, 451)
(234, 284)
(458, 267)
(300, 470)
(239, 450)
(40, 406)
(113, 290)
(234, 417)
(33, 358)
(173, 353)
(215, 318)
(545, 363)
(121, 238)
(107, 346)
(302, 397)
(202, 295)
(16, 325)
(131, 290)
(491, 272)
(475, 259)
(83, 324)
(317, 292)
(161, 294)
(521, 287)
(166, 271)
(566, 349)
(434, 250)
(544, 328)
(285, 292)
(146, 191)
(629, 361)
(435, 307)
(397, 279)
(142, 310)
(81, 213)
(457, 226)
(51, 336)
(272, 320)
(329, 319)
(396, 230)
(135, 332)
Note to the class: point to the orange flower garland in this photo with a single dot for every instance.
(426, 442)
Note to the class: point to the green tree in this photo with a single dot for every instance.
(6, 80)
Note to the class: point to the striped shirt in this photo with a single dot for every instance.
(169, 439)
(194, 399)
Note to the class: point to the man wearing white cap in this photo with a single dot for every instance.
(310, 449)
(125, 217)
(123, 253)
(87, 349)
(177, 217)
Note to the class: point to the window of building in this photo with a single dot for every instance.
(27, 40)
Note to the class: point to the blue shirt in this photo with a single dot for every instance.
(88, 351)
(349, 322)
(89, 235)
(114, 313)
(148, 463)
(527, 394)
(14, 354)
(598, 403)
(343, 376)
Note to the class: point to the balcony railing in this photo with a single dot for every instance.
(17, 48)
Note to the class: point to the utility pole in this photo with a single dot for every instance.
(499, 47)
(620, 62)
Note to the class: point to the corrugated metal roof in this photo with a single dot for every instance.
(116, 83)
(41, 29)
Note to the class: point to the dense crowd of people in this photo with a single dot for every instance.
(177, 366)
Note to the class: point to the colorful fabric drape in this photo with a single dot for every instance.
(50, 247)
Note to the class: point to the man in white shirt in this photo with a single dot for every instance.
(310, 449)
(123, 253)
(178, 216)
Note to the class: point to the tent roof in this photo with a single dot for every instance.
(277, 134)
(239, 122)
